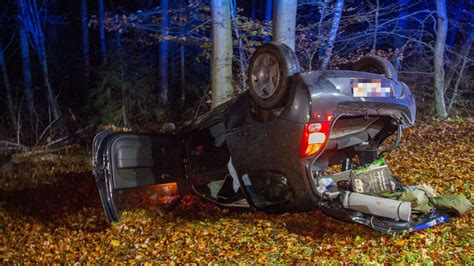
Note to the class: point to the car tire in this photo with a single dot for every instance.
(377, 65)
(270, 69)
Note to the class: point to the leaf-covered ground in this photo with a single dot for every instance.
(50, 212)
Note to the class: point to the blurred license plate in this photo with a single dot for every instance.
(371, 88)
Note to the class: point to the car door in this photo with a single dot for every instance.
(137, 171)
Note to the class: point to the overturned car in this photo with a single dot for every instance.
(288, 144)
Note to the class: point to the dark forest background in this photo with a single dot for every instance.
(70, 65)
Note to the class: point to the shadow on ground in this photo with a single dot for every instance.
(75, 194)
(50, 203)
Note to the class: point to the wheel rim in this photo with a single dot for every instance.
(265, 75)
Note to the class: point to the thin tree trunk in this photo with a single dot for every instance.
(460, 57)
(402, 24)
(164, 50)
(182, 82)
(30, 17)
(374, 42)
(402, 31)
(459, 7)
(221, 63)
(268, 18)
(118, 40)
(252, 12)
(332, 34)
(44, 70)
(103, 48)
(439, 49)
(284, 22)
(322, 12)
(8, 91)
(242, 55)
(465, 54)
(126, 123)
(85, 44)
(26, 66)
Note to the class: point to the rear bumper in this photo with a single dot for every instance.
(331, 94)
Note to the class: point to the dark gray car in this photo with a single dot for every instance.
(270, 147)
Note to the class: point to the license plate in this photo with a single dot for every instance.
(371, 88)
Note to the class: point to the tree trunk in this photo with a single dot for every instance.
(402, 24)
(30, 17)
(332, 34)
(252, 12)
(402, 31)
(182, 79)
(123, 89)
(103, 49)
(459, 7)
(284, 22)
(85, 44)
(460, 59)
(221, 62)
(268, 18)
(26, 66)
(164, 50)
(8, 91)
(242, 56)
(466, 49)
(44, 70)
(374, 41)
(439, 49)
(322, 15)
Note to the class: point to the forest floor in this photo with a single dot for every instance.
(50, 212)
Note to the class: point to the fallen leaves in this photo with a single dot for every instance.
(399, 243)
(59, 218)
(115, 243)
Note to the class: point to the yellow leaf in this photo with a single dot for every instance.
(399, 243)
(115, 243)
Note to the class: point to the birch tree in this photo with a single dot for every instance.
(221, 61)
(284, 22)
(31, 19)
(332, 34)
(242, 56)
(439, 49)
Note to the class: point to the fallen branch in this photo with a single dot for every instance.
(18, 158)
(46, 130)
(9, 143)
(9, 146)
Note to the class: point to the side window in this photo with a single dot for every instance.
(209, 157)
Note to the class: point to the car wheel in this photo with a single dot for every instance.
(376, 64)
(270, 69)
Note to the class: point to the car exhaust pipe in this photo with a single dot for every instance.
(395, 209)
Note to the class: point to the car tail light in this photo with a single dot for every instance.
(314, 137)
